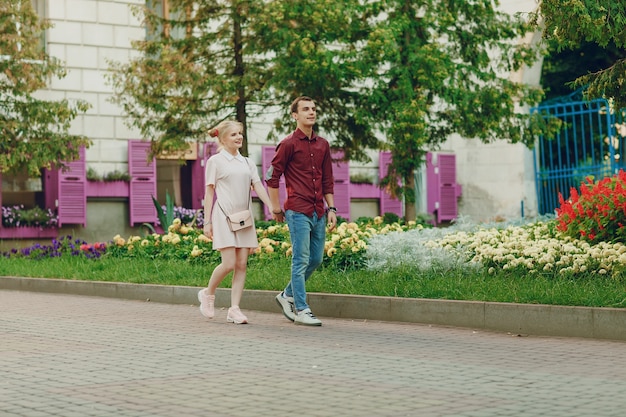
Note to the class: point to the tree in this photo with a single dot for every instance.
(561, 67)
(33, 131)
(572, 23)
(415, 72)
(194, 70)
(315, 47)
(442, 69)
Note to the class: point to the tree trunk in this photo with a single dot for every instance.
(409, 203)
(239, 71)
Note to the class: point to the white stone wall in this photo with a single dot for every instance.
(86, 34)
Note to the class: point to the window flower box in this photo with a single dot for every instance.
(364, 191)
(107, 188)
(28, 232)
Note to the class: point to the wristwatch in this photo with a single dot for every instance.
(333, 209)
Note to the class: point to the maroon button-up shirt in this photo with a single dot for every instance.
(307, 167)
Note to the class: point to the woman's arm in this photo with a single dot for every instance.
(208, 209)
(262, 193)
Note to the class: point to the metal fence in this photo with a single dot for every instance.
(589, 145)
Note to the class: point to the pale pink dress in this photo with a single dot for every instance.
(232, 177)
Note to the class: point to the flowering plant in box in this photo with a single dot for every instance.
(18, 216)
(597, 213)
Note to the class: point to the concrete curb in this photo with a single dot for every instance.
(523, 319)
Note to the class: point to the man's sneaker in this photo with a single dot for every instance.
(236, 316)
(287, 305)
(207, 303)
(307, 318)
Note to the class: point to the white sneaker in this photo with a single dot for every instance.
(236, 316)
(307, 318)
(207, 303)
(287, 305)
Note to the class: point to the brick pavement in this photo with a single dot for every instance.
(70, 355)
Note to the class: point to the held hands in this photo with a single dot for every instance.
(278, 215)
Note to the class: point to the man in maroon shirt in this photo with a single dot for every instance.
(304, 159)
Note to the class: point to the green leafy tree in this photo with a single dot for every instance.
(562, 66)
(571, 23)
(316, 49)
(444, 68)
(194, 70)
(415, 72)
(33, 131)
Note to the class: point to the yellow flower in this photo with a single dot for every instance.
(145, 242)
(331, 251)
(203, 238)
(175, 240)
(269, 249)
(196, 251)
(266, 242)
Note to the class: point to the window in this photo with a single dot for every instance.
(163, 9)
(39, 6)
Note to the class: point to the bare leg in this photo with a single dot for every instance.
(229, 257)
(239, 276)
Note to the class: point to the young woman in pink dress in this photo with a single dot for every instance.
(229, 178)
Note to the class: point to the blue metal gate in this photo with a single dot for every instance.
(589, 144)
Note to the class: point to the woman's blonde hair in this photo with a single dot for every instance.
(223, 128)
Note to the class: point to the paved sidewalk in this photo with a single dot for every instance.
(70, 355)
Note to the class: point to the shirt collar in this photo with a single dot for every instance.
(230, 156)
(299, 134)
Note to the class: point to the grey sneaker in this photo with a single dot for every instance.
(307, 318)
(287, 305)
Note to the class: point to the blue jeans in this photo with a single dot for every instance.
(308, 235)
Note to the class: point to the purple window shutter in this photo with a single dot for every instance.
(387, 203)
(72, 192)
(432, 184)
(50, 185)
(205, 150)
(266, 161)
(448, 207)
(0, 197)
(341, 174)
(142, 183)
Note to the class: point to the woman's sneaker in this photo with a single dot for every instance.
(287, 305)
(307, 318)
(207, 303)
(236, 316)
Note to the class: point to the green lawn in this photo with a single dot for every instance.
(455, 284)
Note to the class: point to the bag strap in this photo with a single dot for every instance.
(217, 200)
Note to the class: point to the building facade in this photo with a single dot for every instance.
(496, 180)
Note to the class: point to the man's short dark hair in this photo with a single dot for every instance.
(294, 104)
